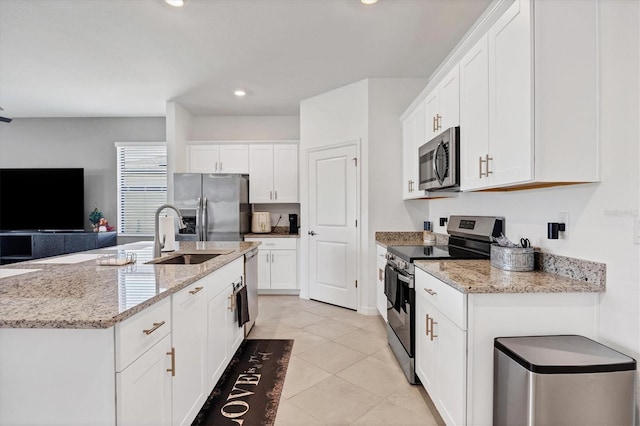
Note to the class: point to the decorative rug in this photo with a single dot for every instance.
(249, 390)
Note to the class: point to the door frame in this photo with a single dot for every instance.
(305, 270)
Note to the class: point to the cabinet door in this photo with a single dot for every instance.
(432, 115)
(189, 332)
(381, 298)
(234, 158)
(474, 115)
(143, 389)
(45, 245)
(261, 173)
(450, 100)
(204, 158)
(451, 371)
(413, 131)
(235, 333)
(218, 348)
(264, 269)
(510, 96)
(409, 155)
(285, 173)
(80, 242)
(425, 359)
(283, 269)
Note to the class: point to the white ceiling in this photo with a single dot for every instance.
(106, 58)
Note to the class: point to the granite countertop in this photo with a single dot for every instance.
(478, 276)
(412, 238)
(87, 295)
(277, 232)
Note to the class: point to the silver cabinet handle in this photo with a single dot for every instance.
(271, 195)
(276, 191)
(272, 258)
(195, 290)
(487, 161)
(216, 169)
(221, 166)
(431, 292)
(480, 167)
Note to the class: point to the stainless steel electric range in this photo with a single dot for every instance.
(470, 237)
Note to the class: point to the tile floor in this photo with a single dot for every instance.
(342, 371)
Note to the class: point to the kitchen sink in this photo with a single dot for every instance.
(185, 259)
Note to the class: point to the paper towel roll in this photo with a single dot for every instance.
(168, 233)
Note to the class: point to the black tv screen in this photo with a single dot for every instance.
(42, 200)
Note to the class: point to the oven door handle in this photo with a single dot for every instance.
(405, 279)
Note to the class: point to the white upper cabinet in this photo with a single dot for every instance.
(443, 105)
(219, 158)
(474, 113)
(527, 105)
(413, 136)
(273, 173)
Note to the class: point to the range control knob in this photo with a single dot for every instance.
(402, 264)
(389, 256)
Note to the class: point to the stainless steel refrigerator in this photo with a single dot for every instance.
(215, 207)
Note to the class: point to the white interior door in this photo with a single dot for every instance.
(332, 226)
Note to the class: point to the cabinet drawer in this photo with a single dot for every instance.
(275, 243)
(451, 302)
(135, 335)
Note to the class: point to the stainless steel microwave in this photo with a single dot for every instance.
(439, 162)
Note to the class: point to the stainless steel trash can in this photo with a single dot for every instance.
(561, 380)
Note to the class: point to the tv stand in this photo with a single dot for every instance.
(21, 246)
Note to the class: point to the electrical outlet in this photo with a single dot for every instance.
(563, 217)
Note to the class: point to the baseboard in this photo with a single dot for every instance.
(294, 292)
(368, 310)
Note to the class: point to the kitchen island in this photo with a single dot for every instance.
(82, 343)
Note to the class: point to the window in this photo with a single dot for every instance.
(142, 186)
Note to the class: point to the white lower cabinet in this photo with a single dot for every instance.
(381, 298)
(189, 336)
(455, 332)
(441, 360)
(144, 388)
(277, 263)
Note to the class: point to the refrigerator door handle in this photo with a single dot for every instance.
(205, 219)
(198, 219)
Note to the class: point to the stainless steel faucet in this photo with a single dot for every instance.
(158, 245)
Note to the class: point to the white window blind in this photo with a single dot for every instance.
(142, 186)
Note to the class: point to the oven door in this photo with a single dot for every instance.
(400, 307)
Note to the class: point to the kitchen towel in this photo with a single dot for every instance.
(390, 283)
(242, 305)
(168, 233)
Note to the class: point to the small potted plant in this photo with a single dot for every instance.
(94, 218)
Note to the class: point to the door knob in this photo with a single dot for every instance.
(311, 233)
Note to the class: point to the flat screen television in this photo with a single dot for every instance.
(42, 200)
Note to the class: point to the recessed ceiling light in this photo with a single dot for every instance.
(176, 3)
(239, 93)
(368, 1)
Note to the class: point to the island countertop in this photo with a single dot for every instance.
(49, 293)
(478, 276)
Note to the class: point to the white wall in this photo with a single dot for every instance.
(227, 128)
(77, 142)
(367, 111)
(338, 116)
(602, 215)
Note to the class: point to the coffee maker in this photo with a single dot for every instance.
(293, 224)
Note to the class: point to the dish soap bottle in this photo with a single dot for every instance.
(428, 237)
